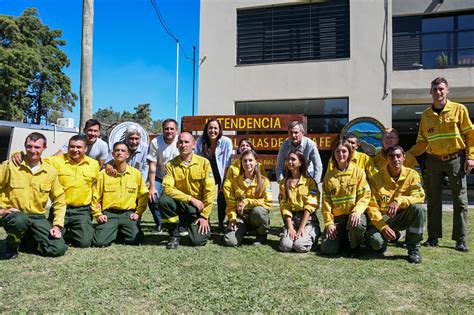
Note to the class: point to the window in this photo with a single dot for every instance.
(315, 31)
(323, 115)
(429, 42)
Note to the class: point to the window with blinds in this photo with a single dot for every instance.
(315, 31)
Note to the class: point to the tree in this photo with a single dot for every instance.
(53, 116)
(32, 83)
(142, 115)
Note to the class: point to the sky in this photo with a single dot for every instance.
(134, 59)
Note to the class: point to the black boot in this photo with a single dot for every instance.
(431, 242)
(174, 239)
(354, 252)
(414, 256)
(461, 246)
(260, 240)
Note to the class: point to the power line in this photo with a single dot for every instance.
(167, 29)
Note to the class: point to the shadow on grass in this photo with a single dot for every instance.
(364, 254)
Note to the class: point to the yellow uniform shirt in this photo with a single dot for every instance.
(446, 133)
(247, 193)
(27, 191)
(233, 172)
(76, 179)
(305, 196)
(360, 159)
(410, 161)
(407, 190)
(125, 192)
(196, 180)
(344, 192)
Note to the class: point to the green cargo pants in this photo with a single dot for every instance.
(78, 230)
(411, 219)
(118, 226)
(454, 169)
(355, 235)
(173, 212)
(17, 224)
(256, 220)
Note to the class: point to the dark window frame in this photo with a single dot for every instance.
(343, 115)
(292, 33)
(408, 51)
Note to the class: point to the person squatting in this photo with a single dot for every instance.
(363, 201)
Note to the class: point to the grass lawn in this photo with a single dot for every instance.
(213, 278)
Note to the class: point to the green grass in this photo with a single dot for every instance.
(213, 278)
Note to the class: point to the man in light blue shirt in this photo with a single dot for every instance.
(297, 141)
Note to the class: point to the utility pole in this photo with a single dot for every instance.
(177, 79)
(194, 73)
(86, 62)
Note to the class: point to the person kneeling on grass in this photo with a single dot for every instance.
(119, 201)
(395, 205)
(346, 195)
(25, 192)
(189, 191)
(249, 203)
(77, 174)
(299, 199)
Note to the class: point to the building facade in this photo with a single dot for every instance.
(335, 60)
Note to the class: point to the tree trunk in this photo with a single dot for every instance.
(86, 61)
(39, 107)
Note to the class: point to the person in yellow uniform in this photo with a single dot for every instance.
(119, 201)
(25, 192)
(389, 138)
(397, 193)
(250, 201)
(446, 134)
(235, 169)
(299, 200)
(189, 192)
(77, 174)
(360, 159)
(346, 195)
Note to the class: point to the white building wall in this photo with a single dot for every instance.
(360, 77)
(412, 86)
(55, 139)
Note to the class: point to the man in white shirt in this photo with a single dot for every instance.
(162, 149)
(96, 147)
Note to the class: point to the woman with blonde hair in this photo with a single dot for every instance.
(346, 195)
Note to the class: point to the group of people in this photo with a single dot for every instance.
(362, 200)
